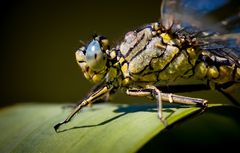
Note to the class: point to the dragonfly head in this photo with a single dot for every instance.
(92, 58)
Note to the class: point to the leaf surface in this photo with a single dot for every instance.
(104, 128)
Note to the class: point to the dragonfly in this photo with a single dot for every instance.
(182, 44)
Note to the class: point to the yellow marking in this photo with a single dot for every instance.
(116, 64)
(121, 60)
(191, 52)
(124, 69)
(224, 71)
(225, 74)
(212, 72)
(126, 82)
(97, 78)
(201, 70)
(166, 37)
(113, 54)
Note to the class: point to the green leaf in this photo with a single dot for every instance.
(102, 128)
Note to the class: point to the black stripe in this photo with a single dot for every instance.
(140, 51)
(175, 56)
(184, 75)
(97, 91)
(225, 85)
(98, 96)
(137, 43)
(87, 69)
(188, 57)
(81, 61)
(159, 56)
(189, 62)
(149, 65)
(119, 54)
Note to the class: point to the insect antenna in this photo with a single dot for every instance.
(82, 42)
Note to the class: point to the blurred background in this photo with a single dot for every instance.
(39, 39)
(38, 42)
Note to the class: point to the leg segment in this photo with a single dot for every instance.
(149, 91)
(168, 97)
(153, 91)
(98, 94)
(157, 93)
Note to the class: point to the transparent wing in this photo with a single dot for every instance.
(203, 14)
(226, 46)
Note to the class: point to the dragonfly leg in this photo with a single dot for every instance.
(98, 94)
(153, 91)
(149, 91)
(172, 98)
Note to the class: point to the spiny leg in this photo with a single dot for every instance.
(98, 94)
(150, 91)
(169, 97)
(157, 93)
(104, 98)
(153, 91)
(100, 100)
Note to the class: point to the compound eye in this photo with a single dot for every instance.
(95, 57)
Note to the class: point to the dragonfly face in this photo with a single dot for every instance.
(176, 47)
(93, 59)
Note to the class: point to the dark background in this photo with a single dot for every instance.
(38, 42)
(39, 39)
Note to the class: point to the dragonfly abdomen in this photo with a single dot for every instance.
(218, 70)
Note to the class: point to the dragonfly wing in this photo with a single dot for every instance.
(199, 13)
(225, 46)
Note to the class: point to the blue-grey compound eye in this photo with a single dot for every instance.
(95, 57)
